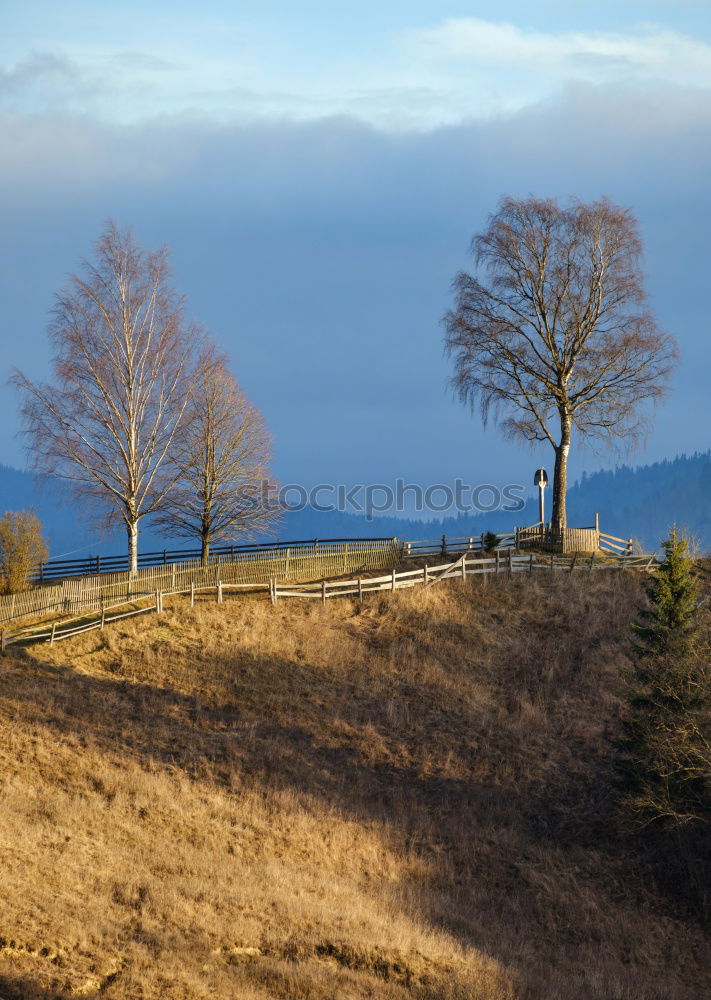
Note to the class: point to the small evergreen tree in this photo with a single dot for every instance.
(670, 623)
(665, 753)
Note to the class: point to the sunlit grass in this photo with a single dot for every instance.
(409, 798)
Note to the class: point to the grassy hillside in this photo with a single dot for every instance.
(411, 799)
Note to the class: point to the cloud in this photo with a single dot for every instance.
(142, 61)
(445, 73)
(650, 51)
(47, 76)
(320, 253)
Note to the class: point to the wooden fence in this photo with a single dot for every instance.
(65, 628)
(468, 564)
(542, 536)
(298, 562)
(64, 569)
(616, 546)
(455, 546)
(535, 536)
(287, 561)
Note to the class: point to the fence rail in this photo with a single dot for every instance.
(452, 546)
(63, 569)
(468, 564)
(542, 536)
(292, 562)
(65, 586)
(609, 543)
(537, 535)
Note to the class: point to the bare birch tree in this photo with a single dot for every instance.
(121, 383)
(220, 459)
(555, 335)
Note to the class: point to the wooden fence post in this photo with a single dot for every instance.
(464, 566)
(54, 629)
(103, 614)
(444, 546)
(426, 574)
(510, 562)
(157, 602)
(273, 589)
(530, 563)
(219, 591)
(172, 581)
(592, 561)
(393, 580)
(3, 641)
(497, 562)
(323, 592)
(360, 590)
(575, 559)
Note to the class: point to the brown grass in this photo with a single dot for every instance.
(406, 800)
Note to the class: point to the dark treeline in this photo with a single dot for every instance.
(632, 502)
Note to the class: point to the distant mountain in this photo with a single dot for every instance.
(67, 529)
(643, 502)
(640, 503)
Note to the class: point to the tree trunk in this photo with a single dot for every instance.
(560, 482)
(132, 532)
(205, 554)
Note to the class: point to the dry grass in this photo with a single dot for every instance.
(406, 800)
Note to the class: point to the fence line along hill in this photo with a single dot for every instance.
(248, 568)
(220, 578)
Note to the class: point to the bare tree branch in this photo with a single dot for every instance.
(220, 459)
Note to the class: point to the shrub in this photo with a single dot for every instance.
(22, 546)
(491, 541)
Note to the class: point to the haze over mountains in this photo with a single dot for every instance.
(640, 502)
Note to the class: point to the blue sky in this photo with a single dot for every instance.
(318, 170)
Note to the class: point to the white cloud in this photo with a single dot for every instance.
(459, 69)
(649, 51)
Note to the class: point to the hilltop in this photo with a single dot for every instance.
(412, 798)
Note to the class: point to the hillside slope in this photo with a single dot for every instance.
(411, 799)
